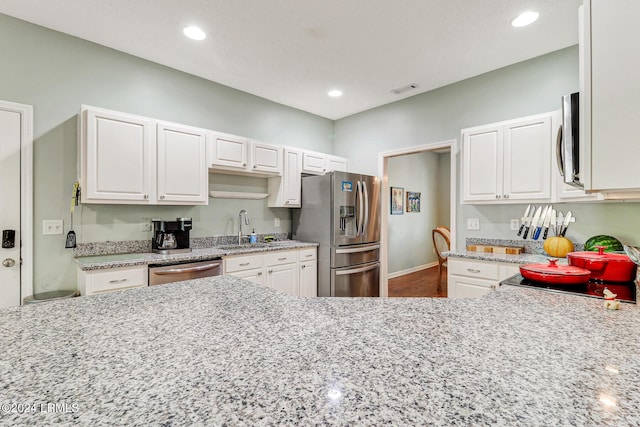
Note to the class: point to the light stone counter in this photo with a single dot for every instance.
(222, 351)
(98, 262)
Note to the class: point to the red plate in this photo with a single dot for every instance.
(554, 273)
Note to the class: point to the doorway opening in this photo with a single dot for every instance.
(385, 160)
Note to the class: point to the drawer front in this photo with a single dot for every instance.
(473, 269)
(117, 278)
(308, 254)
(280, 257)
(241, 263)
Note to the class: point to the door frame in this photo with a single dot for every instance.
(383, 171)
(26, 195)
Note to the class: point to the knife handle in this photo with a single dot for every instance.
(526, 232)
(544, 235)
(521, 228)
(536, 233)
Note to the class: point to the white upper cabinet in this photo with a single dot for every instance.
(508, 161)
(285, 190)
(335, 163)
(235, 154)
(117, 157)
(611, 92)
(128, 159)
(265, 158)
(314, 163)
(182, 169)
(228, 152)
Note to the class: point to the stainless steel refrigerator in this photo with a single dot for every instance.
(341, 211)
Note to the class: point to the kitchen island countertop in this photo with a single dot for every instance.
(223, 351)
(525, 258)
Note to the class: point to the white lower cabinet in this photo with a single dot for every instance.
(280, 270)
(472, 279)
(112, 279)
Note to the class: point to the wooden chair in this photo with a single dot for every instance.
(441, 236)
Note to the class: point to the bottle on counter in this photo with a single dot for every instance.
(253, 237)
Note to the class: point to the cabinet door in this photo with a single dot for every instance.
(283, 278)
(527, 159)
(182, 170)
(614, 90)
(308, 285)
(482, 164)
(112, 279)
(266, 158)
(335, 163)
(256, 276)
(314, 163)
(468, 287)
(285, 191)
(228, 152)
(117, 158)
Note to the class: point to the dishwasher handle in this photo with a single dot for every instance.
(204, 267)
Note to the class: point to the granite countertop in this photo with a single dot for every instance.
(488, 256)
(98, 262)
(223, 351)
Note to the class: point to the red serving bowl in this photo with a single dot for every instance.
(555, 274)
(604, 266)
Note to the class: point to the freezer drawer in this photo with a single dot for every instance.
(344, 256)
(356, 281)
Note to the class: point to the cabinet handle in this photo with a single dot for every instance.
(303, 266)
(259, 273)
(287, 202)
(117, 281)
(244, 264)
(282, 259)
(255, 166)
(493, 287)
(473, 270)
(146, 196)
(162, 197)
(497, 196)
(308, 255)
(270, 271)
(506, 196)
(244, 164)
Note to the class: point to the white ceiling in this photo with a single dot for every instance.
(294, 51)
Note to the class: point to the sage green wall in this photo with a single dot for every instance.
(530, 87)
(421, 173)
(57, 73)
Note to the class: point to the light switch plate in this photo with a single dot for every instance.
(52, 226)
(276, 222)
(515, 224)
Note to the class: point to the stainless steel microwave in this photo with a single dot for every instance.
(568, 141)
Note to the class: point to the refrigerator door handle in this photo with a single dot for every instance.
(361, 208)
(365, 224)
(357, 270)
(359, 249)
(358, 208)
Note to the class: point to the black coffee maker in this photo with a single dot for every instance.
(171, 236)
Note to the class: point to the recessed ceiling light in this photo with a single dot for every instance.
(335, 93)
(194, 33)
(524, 19)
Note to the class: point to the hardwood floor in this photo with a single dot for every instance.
(423, 283)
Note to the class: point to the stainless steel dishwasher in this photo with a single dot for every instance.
(168, 273)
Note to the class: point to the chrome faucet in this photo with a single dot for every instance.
(246, 221)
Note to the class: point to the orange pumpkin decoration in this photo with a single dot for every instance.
(557, 246)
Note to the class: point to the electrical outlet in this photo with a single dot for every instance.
(473, 223)
(276, 222)
(145, 226)
(52, 226)
(515, 224)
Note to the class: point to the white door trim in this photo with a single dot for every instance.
(383, 158)
(26, 194)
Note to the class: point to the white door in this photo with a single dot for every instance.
(10, 144)
(527, 159)
(482, 164)
(182, 168)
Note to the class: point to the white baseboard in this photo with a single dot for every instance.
(412, 269)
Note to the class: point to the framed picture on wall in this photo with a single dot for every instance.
(413, 201)
(396, 200)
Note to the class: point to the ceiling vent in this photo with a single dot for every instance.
(404, 89)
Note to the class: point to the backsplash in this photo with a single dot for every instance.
(530, 246)
(142, 246)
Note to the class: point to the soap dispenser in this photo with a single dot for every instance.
(253, 237)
